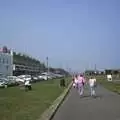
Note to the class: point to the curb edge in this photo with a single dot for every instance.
(49, 113)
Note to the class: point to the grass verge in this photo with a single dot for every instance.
(113, 86)
(16, 104)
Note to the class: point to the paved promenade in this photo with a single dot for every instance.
(106, 106)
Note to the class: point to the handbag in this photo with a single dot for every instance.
(95, 84)
(83, 82)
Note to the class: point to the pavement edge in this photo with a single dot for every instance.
(50, 112)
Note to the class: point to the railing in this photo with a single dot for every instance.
(27, 68)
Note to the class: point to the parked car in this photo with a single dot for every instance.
(11, 81)
(35, 78)
(28, 77)
(25, 77)
(15, 79)
(43, 77)
(49, 76)
(59, 75)
(3, 82)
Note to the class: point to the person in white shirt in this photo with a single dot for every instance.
(75, 81)
(27, 85)
(92, 84)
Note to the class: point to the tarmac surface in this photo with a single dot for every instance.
(106, 106)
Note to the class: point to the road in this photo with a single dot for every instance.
(106, 106)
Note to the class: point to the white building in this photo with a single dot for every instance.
(6, 62)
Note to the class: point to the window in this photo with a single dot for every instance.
(3, 60)
(7, 61)
(7, 67)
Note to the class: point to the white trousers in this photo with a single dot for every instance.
(92, 91)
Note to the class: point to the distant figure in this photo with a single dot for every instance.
(27, 85)
(75, 81)
(62, 82)
(109, 77)
(81, 82)
(92, 84)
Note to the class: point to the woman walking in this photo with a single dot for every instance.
(81, 82)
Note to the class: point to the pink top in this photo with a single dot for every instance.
(81, 80)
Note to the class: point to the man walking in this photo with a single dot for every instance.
(27, 85)
(92, 84)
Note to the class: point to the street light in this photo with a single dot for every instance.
(47, 67)
(95, 71)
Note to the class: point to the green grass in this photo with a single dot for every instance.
(16, 104)
(115, 87)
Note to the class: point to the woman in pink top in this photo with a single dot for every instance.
(81, 82)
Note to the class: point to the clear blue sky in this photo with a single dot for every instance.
(72, 33)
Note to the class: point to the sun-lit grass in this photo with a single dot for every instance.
(16, 104)
(113, 86)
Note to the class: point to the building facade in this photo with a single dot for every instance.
(112, 71)
(22, 70)
(6, 62)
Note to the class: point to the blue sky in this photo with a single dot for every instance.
(72, 33)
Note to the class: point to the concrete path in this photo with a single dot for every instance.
(106, 106)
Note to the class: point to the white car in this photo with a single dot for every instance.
(40, 76)
(25, 77)
(3, 82)
(35, 78)
(43, 77)
(50, 76)
(14, 79)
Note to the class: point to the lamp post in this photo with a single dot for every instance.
(95, 70)
(47, 67)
